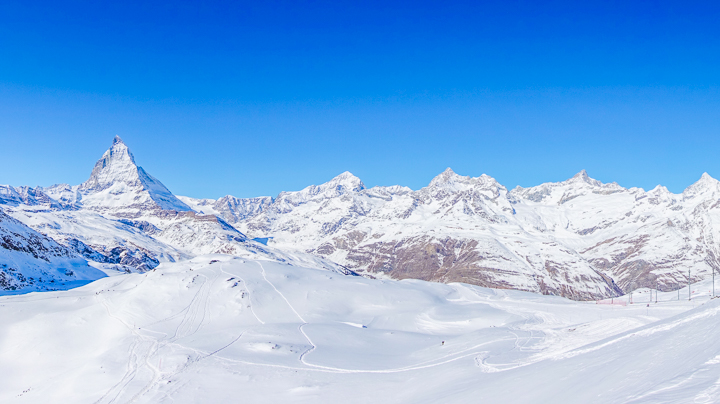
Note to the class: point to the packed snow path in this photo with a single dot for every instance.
(218, 328)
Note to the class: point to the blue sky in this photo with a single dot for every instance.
(254, 98)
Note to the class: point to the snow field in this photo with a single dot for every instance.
(222, 329)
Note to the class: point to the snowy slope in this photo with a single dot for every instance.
(30, 261)
(223, 329)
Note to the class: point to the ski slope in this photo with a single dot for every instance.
(219, 328)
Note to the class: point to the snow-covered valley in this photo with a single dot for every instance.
(225, 329)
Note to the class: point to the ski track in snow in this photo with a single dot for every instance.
(138, 356)
(421, 365)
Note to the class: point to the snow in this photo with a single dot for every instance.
(578, 238)
(30, 261)
(218, 327)
(206, 314)
(117, 182)
(228, 207)
(121, 213)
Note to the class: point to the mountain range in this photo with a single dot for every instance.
(579, 238)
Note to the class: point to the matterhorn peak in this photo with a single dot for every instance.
(118, 182)
(117, 164)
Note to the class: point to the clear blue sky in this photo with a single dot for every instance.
(252, 98)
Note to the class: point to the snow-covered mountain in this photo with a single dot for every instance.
(230, 208)
(30, 261)
(119, 185)
(123, 215)
(578, 238)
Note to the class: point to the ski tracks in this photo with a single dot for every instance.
(144, 348)
(300, 327)
(472, 351)
(138, 356)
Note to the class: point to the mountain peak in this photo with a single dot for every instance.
(706, 182)
(446, 177)
(117, 164)
(348, 181)
(449, 180)
(706, 179)
(582, 174)
(117, 181)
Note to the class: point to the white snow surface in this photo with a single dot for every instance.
(224, 329)
(30, 261)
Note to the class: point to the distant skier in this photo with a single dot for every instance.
(443, 343)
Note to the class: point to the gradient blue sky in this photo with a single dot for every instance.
(250, 99)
